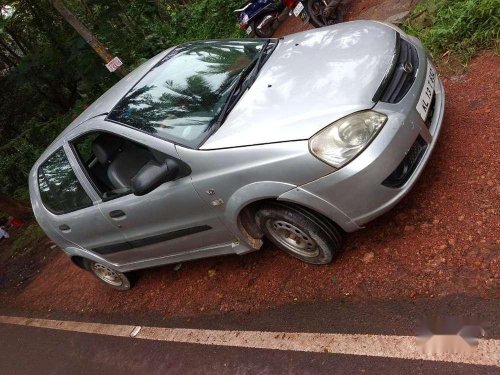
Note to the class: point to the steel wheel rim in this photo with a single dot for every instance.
(106, 274)
(292, 238)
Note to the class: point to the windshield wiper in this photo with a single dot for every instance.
(231, 98)
(239, 87)
(259, 63)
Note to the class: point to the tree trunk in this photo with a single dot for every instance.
(14, 207)
(86, 34)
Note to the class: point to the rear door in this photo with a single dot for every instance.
(71, 209)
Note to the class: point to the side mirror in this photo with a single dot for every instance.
(152, 175)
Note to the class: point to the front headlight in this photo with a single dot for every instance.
(340, 142)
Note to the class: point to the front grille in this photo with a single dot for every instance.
(406, 168)
(402, 75)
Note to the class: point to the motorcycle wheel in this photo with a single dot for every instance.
(268, 30)
(315, 9)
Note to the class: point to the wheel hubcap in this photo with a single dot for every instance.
(292, 238)
(106, 274)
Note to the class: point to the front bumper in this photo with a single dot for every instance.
(355, 194)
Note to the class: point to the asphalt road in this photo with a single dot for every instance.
(368, 316)
(32, 350)
(40, 351)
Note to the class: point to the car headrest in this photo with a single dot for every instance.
(105, 147)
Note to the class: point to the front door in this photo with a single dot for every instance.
(172, 219)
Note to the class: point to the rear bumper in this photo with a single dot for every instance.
(355, 194)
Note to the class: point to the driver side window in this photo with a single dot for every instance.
(111, 161)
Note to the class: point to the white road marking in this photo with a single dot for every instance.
(405, 347)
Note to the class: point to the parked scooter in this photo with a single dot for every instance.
(262, 17)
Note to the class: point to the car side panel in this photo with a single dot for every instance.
(232, 178)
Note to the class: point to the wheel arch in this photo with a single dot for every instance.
(240, 203)
(319, 206)
(244, 203)
(80, 257)
(80, 262)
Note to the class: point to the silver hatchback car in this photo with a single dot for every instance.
(211, 146)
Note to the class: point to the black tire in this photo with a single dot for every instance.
(317, 21)
(269, 31)
(116, 280)
(300, 233)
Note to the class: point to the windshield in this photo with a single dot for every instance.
(182, 96)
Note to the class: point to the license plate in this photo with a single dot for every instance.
(249, 30)
(427, 94)
(298, 9)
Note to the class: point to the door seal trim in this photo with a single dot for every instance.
(129, 245)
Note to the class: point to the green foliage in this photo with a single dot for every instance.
(205, 19)
(459, 27)
(138, 29)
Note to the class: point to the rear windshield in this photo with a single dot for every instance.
(181, 97)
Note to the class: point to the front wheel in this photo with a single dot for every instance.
(319, 17)
(112, 278)
(300, 233)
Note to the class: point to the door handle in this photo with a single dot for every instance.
(64, 228)
(117, 214)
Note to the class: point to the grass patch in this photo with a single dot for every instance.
(456, 29)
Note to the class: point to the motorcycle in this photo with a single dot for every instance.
(262, 17)
(317, 12)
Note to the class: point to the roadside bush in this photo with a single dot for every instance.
(460, 27)
(198, 20)
(206, 19)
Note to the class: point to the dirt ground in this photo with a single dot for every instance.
(442, 239)
(21, 262)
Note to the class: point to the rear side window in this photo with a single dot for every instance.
(60, 190)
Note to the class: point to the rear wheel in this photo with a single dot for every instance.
(112, 278)
(300, 233)
(265, 24)
(318, 16)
